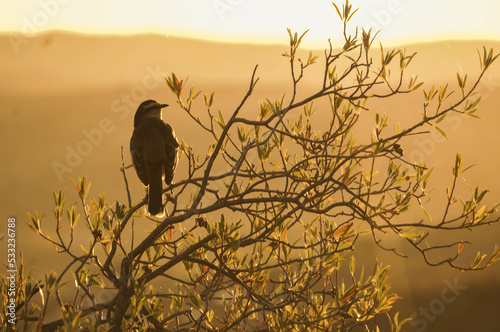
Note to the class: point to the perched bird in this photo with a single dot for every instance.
(153, 147)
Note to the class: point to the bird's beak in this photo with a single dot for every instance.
(163, 105)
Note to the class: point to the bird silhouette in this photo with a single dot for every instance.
(153, 147)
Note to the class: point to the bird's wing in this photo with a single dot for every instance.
(171, 147)
(137, 152)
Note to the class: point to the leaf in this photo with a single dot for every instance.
(458, 165)
(241, 134)
(493, 258)
(209, 101)
(417, 86)
(290, 36)
(343, 231)
(427, 214)
(192, 95)
(174, 84)
(426, 175)
(441, 118)
(300, 38)
(479, 258)
(479, 215)
(431, 94)
(479, 197)
(276, 164)
(337, 9)
(35, 223)
(352, 264)
(211, 148)
(72, 216)
(487, 58)
(471, 114)
(221, 121)
(347, 296)
(312, 58)
(441, 132)
(461, 81)
(474, 104)
(411, 236)
(442, 93)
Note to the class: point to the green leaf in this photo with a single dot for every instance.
(300, 39)
(442, 93)
(479, 258)
(35, 223)
(461, 81)
(474, 104)
(174, 84)
(241, 134)
(487, 59)
(312, 58)
(441, 118)
(427, 214)
(441, 132)
(493, 258)
(352, 265)
(458, 165)
(471, 114)
(72, 216)
(221, 121)
(417, 86)
(192, 95)
(276, 164)
(337, 9)
(209, 101)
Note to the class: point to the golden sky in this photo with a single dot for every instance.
(257, 21)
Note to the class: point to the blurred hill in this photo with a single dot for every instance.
(67, 105)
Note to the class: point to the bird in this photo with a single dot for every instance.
(153, 147)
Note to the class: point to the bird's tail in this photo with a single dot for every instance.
(155, 202)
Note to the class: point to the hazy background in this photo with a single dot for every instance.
(68, 99)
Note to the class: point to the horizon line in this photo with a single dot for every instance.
(252, 41)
